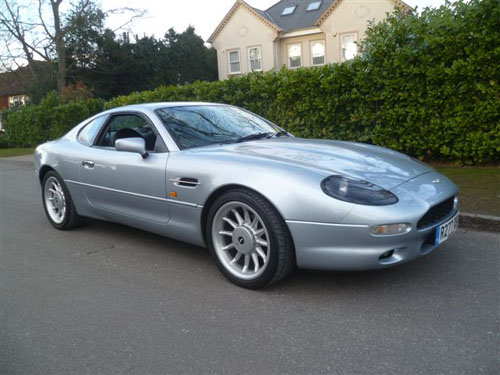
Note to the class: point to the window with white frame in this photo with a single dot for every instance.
(254, 59)
(318, 52)
(294, 55)
(234, 61)
(18, 100)
(349, 48)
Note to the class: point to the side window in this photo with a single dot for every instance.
(234, 61)
(254, 59)
(318, 52)
(128, 126)
(295, 55)
(348, 48)
(87, 135)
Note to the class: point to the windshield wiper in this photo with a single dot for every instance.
(253, 136)
(281, 133)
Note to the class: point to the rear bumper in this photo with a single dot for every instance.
(344, 247)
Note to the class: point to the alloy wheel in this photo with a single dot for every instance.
(241, 240)
(55, 200)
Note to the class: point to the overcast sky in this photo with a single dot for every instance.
(204, 15)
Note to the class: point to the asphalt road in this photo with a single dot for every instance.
(107, 299)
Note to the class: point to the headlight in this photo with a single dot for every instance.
(359, 192)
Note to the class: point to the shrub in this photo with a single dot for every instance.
(32, 125)
(426, 85)
(76, 92)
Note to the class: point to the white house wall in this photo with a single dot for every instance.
(244, 30)
(352, 16)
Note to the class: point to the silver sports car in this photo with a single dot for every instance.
(261, 200)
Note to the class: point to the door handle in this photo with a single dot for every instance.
(89, 164)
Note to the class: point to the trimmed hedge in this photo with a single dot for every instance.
(425, 85)
(32, 125)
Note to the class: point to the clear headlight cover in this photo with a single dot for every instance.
(358, 192)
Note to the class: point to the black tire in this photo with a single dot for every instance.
(71, 219)
(282, 252)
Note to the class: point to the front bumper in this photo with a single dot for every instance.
(347, 247)
(350, 246)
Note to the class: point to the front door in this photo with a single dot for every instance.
(124, 183)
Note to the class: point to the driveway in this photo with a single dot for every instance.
(108, 299)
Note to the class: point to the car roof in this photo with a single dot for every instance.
(154, 106)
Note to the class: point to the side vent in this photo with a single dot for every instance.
(186, 182)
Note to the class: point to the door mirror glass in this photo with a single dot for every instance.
(135, 144)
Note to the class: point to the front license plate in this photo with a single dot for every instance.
(444, 230)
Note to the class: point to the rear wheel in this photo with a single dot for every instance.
(249, 240)
(58, 204)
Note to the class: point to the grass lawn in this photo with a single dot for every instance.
(6, 152)
(479, 188)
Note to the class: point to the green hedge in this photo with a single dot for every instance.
(32, 125)
(426, 85)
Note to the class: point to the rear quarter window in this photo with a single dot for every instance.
(89, 132)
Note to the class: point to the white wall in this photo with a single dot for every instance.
(352, 16)
(244, 30)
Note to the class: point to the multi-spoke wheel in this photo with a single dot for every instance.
(241, 240)
(249, 239)
(57, 202)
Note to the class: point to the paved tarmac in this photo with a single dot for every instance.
(106, 299)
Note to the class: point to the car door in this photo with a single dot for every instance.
(124, 183)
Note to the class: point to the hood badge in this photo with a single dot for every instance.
(436, 181)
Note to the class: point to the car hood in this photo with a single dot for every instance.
(380, 166)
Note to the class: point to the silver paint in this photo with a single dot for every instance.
(327, 233)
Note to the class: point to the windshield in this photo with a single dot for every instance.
(202, 125)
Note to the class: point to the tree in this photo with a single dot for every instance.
(47, 34)
(73, 45)
(122, 65)
(187, 59)
(113, 71)
(42, 37)
(82, 40)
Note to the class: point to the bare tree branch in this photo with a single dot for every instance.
(136, 13)
(45, 37)
(42, 23)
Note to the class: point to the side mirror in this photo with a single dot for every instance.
(135, 144)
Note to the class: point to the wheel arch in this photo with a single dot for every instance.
(44, 169)
(219, 192)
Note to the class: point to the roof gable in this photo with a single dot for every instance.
(257, 13)
(335, 3)
(301, 18)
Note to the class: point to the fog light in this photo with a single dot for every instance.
(390, 229)
(386, 255)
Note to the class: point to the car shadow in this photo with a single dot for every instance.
(133, 236)
(422, 272)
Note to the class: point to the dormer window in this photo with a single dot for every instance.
(288, 10)
(313, 6)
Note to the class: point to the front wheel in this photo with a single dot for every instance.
(58, 204)
(249, 240)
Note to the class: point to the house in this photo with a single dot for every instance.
(12, 91)
(294, 33)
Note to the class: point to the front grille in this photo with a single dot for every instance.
(436, 213)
